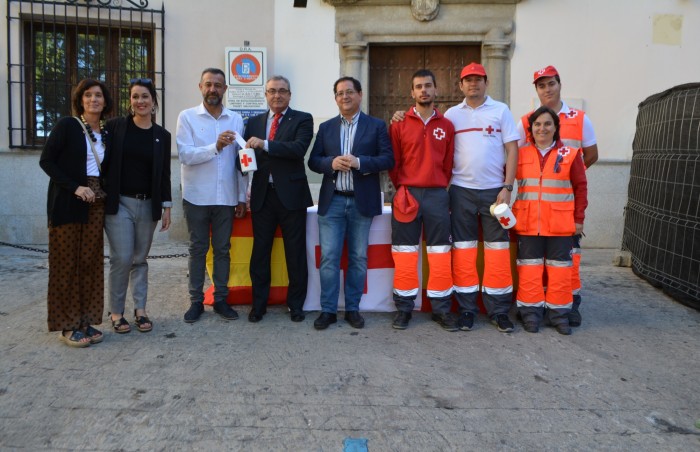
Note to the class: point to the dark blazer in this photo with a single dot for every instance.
(285, 160)
(112, 166)
(372, 146)
(64, 159)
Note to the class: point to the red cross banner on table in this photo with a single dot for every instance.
(378, 290)
(377, 295)
(380, 273)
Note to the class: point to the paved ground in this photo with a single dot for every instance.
(628, 379)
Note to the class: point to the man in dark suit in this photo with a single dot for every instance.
(350, 151)
(279, 195)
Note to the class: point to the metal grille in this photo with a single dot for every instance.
(52, 45)
(662, 222)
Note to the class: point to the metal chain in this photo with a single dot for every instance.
(39, 250)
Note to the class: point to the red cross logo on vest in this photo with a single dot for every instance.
(572, 113)
(439, 133)
(274, 126)
(505, 221)
(563, 151)
(245, 160)
(489, 130)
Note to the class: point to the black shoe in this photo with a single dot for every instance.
(401, 320)
(254, 316)
(563, 328)
(324, 320)
(225, 311)
(531, 327)
(354, 319)
(574, 318)
(503, 323)
(193, 313)
(465, 322)
(297, 316)
(448, 321)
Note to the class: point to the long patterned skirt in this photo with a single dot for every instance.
(76, 272)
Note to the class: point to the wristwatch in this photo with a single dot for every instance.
(508, 187)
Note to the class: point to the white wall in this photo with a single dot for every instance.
(610, 60)
(605, 54)
(300, 43)
(305, 51)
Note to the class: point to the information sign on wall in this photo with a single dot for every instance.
(246, 75)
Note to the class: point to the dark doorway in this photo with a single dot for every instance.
(391, 68)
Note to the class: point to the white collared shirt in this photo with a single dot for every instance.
(268, 126)
(344, 180)
(93, 168)
(209, 177)
(480, 135)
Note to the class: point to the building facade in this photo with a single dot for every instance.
(611, 56)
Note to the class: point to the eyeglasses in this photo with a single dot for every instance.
(142, 81)
(348, 92)
(281, 91)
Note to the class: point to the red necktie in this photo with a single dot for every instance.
(274, 126)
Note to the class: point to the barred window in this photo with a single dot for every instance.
(53, 45)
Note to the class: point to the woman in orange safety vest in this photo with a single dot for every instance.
(550, 207)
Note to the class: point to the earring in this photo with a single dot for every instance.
(131, 111)
(153, 110)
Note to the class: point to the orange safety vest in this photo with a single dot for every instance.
(570, 128)
(545, 201)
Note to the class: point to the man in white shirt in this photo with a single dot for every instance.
(485, 160)
(213, 191)
(486, 157)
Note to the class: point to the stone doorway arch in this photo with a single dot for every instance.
(489, 24)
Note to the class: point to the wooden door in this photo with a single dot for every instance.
(391, 68)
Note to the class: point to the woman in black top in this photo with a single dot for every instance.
(138, 195)
(72, 158)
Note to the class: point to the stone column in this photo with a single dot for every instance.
(353, 57)
(496, 60)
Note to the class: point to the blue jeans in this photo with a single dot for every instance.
(343, 221)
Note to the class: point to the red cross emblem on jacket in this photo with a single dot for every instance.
(439, 133)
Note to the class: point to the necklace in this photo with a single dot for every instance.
(89, 129)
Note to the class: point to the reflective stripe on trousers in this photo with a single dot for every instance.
(465, 277)
(498, 279)
(440, 271)
(405, 270)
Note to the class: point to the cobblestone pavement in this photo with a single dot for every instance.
(627, 379)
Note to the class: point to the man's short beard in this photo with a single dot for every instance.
(212, 100)
(425, 104)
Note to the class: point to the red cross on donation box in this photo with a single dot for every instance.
(245, 161)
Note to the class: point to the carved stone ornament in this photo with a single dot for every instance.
(425, 10)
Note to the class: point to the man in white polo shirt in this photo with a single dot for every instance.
(486, 157)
